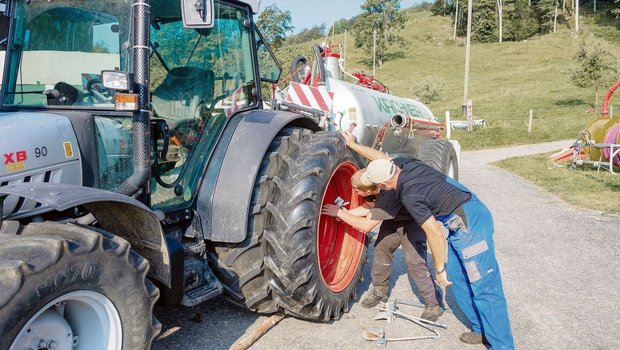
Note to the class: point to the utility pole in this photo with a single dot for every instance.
(467, 52)
(374, 49)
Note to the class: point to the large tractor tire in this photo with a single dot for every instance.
(440, 154)
(295, 258)
(68, 287)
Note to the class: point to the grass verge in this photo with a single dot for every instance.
(583, 187)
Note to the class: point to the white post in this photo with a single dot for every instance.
(374, 48)
(448, 125)
(555, 18)
(529, 126)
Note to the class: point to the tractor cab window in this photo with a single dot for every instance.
(60, 49)
(199, 79)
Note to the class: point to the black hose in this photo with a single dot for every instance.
(294, 67)
(319, 62)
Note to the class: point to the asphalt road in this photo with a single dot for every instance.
(559, 266)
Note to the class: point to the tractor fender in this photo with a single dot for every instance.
(116, 213)
(226, 191)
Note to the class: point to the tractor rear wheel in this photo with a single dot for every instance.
(439, 154)
(294, 257)
(63, 286)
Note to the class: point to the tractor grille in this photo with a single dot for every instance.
(66, 173)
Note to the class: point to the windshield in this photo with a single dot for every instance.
(199, 79)
(60, 49)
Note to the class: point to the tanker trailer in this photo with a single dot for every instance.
(401, 127)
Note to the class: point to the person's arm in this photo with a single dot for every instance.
(361, 223)
(362, 210)
(437, 244)
(365, 151)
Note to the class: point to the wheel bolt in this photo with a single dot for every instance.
(51, 345)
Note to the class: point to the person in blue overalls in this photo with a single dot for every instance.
(435, 200)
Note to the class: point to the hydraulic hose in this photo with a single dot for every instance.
(320, 64)
(604, 111)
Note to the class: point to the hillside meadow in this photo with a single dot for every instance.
(506, 79)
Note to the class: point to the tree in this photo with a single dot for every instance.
(484, 21)
(545, 11)
(519, 20)
(428, 89)
(385, 17)
(312, 34)
(597, 66)
(615, 12)
(274, 24)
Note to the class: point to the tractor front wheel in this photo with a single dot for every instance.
(68, 287)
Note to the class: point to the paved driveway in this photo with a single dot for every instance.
(560, 268)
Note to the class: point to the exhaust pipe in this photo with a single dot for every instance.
(141, 120)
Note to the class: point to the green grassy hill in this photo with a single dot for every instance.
(506, 80)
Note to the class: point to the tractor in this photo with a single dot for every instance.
(140, 166)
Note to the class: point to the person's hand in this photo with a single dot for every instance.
(349, 138)
(442, 278)
(330, 209)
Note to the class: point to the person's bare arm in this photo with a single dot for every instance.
(361, 223)
(362, 210)
(365, 151)
(437, 244)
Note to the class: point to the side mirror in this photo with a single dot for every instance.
(198, 13)
(116, 80)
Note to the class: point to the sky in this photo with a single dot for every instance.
(308, 13)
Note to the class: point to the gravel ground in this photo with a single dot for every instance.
(559, 267)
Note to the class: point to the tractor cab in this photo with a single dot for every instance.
(195, 77)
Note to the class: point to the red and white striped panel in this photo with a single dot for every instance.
(310, 96)
(233, 102)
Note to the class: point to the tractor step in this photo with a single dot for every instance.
(194, 247)
(203, 287)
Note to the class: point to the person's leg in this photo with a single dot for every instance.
(461, 289)
(414, 251)
(484, 277)
(385, 245)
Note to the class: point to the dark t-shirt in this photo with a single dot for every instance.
(388, 205)
(424, 191)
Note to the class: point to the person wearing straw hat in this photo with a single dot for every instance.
(439, 203)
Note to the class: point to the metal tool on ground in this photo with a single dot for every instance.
(389, 312)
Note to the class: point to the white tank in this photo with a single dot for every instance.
(369, 109)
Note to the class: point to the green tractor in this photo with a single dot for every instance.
(139, 164)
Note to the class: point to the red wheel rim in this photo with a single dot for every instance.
(340, 246)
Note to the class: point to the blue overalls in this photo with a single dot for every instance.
(473, 270)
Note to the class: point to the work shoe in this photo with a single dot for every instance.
(473, 338)
(432, 313)
(374, 296)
